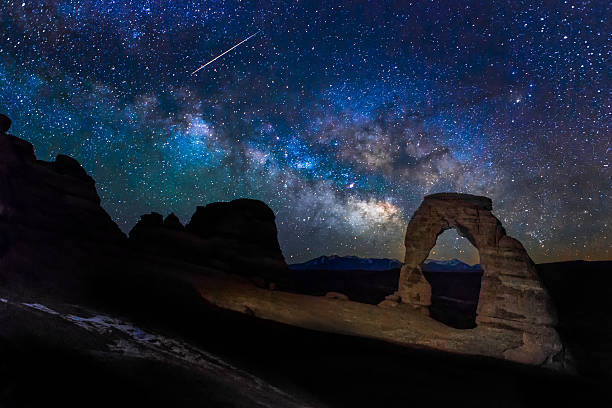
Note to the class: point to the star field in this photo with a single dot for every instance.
(340, 115)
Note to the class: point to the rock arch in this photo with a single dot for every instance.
(511, 294)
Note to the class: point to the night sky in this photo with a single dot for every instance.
(340, 116)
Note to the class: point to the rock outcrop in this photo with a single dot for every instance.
(51, 221)
(512, 296)
(5, 124)
(238, 237)
(154, 234)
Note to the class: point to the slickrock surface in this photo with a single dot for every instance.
(401, 324)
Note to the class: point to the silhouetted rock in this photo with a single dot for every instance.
(582, 294)
(151, 220)
(5, 123)
(244, 220)
(173, 222)
(51, 222)
(153, 235)
(239, 237)
(67, 165)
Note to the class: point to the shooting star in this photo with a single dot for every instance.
(220, 55)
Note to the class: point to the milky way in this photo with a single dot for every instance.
(341, 117)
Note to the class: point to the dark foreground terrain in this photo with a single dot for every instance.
(199, 355)
(49, 364)
(582, 293)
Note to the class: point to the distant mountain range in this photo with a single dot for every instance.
(453, 265)
(346, 263)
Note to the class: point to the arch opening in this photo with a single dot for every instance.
(453, 271)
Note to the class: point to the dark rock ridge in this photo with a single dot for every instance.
(75, 357)
(5, 124)
(51, 221)
(239, 236)
(582, 294)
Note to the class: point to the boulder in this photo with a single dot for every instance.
(336, 295)
(390, 301)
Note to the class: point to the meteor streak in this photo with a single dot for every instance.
(220, 55)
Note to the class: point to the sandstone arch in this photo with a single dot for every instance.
(511, 294)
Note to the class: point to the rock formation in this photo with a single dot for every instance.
(243, 233)
(238, 237)
(154, 234)
(51, 221)
(5, 124)
(511, 295)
